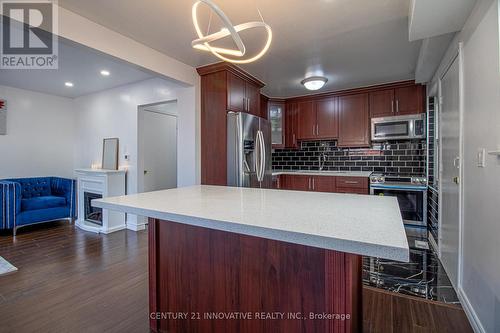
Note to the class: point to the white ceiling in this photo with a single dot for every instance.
(431, 18)
(79, 65)
(353, 42)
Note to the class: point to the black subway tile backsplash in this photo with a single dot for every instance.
(401, 157)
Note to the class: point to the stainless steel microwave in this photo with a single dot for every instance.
(399, 127)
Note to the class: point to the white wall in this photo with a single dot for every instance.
(40, 135)
(480, 275)
(114, 113)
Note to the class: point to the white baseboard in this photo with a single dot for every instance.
(469, 311)
(114, 229)
(136, 227)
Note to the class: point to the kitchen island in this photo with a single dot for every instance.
(226, 259)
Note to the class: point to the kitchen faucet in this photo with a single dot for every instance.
(321, 161)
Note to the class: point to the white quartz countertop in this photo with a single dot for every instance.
(365, 174)
(359, 224)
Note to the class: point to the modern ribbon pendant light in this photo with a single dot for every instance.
(230, 55)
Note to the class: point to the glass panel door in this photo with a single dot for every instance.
(276, 116)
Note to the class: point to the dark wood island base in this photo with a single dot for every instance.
(204, 280)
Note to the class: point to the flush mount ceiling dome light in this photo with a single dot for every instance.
(203, 42)
(314, 82)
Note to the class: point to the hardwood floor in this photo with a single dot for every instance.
(388, 312)
(73, 281)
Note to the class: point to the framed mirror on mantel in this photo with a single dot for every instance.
(110, 148)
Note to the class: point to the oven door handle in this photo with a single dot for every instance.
(399, 188)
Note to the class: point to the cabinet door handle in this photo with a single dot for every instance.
(294, 139)
(313, 184)
(248, 103)
(351, 182)
(317, 129)
(397, 106)
(314, 130)
(309, 187)
(392, 106)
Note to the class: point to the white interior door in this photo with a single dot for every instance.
(159, 144)
(450, 170)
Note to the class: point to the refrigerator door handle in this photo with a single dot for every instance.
(258, 155)
(263, 157)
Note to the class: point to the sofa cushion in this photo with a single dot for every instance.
(34, 187)
(42, 215)
(42, 202)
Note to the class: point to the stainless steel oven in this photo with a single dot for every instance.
(398, 128)
(411, 193)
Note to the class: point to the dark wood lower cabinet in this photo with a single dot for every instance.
(355, 185)
(203, 280)
(330, 184)
(324, 184)
(298, 183)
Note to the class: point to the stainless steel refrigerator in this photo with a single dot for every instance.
(248, 151)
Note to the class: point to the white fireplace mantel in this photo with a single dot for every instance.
(105, 183)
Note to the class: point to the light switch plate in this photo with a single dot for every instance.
(481, 158)
(3, 117)
(3, 122)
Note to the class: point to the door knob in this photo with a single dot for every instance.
(456, 180)
(145, 171)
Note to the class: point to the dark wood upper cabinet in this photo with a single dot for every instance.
(318, 119)
(252, 95)
(327, 118)
(354, 121)
(291, 126)
(242, 96)
(409, 100)
(264, 106)
(307, 120)
(403, 100)
(382, 103)
(235, 93)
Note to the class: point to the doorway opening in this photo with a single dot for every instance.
(157, 146)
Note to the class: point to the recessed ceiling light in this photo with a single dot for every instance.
(314, 82)
(105, 72)
(69, 84)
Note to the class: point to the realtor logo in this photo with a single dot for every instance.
(29, 34)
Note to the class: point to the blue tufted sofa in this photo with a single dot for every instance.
(27, 201)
